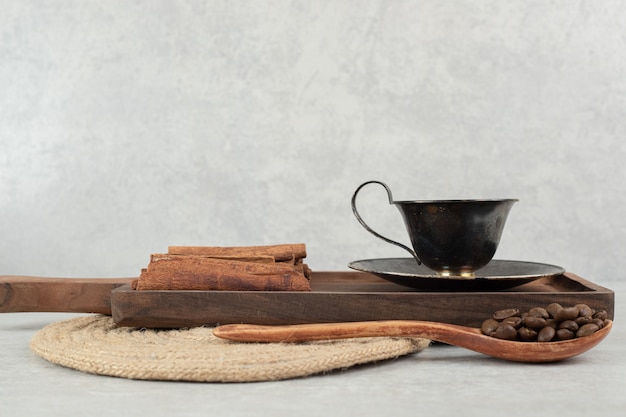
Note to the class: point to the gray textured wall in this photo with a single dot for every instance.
(130, 126)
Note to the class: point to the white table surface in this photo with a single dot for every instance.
(439, 381)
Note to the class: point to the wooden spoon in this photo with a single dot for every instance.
(467, 337)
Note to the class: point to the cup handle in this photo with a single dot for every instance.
(369, 229)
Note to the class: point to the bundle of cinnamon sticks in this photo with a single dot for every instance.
(234, 268)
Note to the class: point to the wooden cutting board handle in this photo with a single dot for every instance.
(71, 295)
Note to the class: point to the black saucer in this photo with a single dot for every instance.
(496, 275)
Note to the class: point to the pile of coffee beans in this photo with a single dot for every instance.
(549, 324)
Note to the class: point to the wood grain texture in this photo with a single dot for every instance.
(72, 295)
(346, 297)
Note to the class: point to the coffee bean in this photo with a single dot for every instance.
(566, 313)
(587, 329)
(598, 322)
(570, 325)
(502, 314)
(565, 334)
(513, 321)
(539, 312)
(506, 332)
(602, 315)
(489, 326)
(546, 334)
(582, 320)
(552, 323)
(553, 309)
(535, 323)
(527, 335)
(584, 310)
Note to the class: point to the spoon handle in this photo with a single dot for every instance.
(441, 332)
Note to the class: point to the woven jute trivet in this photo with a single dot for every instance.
(94, 344)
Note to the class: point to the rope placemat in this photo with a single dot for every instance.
(94, 344)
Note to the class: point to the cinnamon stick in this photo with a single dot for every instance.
(280, 252)
(258, 259)
(201, 273)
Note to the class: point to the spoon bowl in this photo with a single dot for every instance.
(466, 337)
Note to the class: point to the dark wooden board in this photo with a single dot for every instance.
(346, 296)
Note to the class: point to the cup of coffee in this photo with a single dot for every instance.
(451, 237)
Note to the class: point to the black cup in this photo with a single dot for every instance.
(451, 237)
